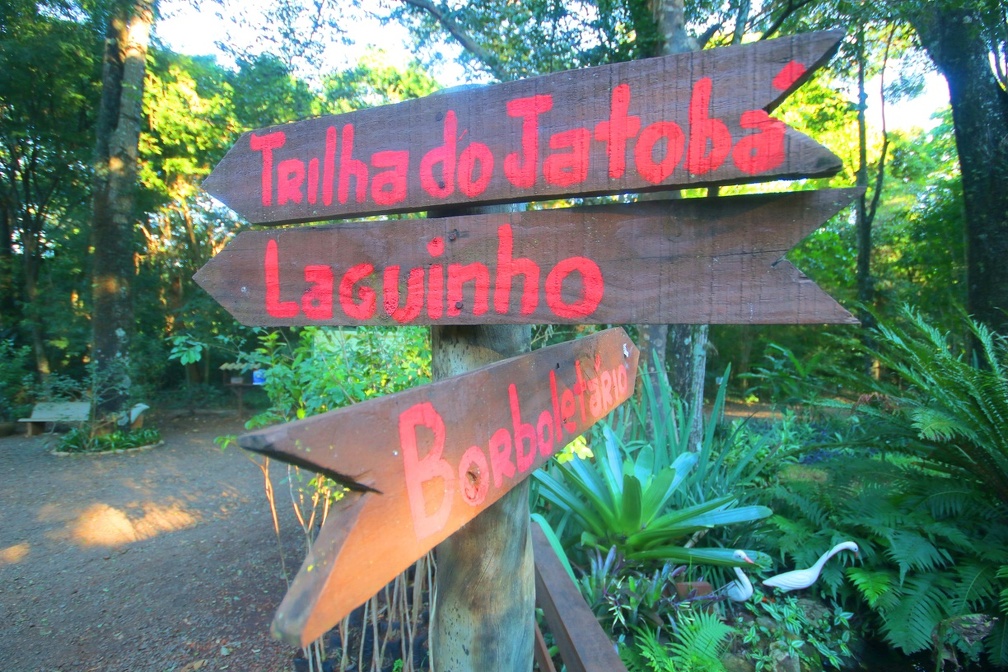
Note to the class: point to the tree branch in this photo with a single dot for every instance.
(791, 8)
(441, 14)
(880, 175)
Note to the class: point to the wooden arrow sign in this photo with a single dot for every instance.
(704, 260)
(693, 119)
(422, 463)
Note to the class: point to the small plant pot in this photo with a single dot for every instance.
(687, 589)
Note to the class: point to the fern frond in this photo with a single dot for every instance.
(803, 505)
(910, 550)
(945, 499)
(872, 584)
(631, 657)
(975, 589)
(703, 634)
(996, 644)
(910, 624)
(652, 650)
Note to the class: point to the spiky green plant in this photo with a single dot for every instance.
(621, 499)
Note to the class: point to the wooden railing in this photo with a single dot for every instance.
(584, 646)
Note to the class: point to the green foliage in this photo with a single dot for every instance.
(15, 380)
(373, 81)
(786, 378)
(697, 643)
(189, 106)
(83, 440)
(731, 458)
(621, 499)
(321, 369)
(266, 92)
(798, 628)
(944, 407)
(625, 597)
(929, 545)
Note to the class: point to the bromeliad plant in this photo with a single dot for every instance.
(621, 499)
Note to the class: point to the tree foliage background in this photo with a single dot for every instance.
(194, 107)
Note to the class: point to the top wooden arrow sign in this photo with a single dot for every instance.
(691, 119)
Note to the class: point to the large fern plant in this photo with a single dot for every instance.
(923, 490)
(944, 406)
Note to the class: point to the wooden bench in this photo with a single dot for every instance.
(584, 646)
(57, 412)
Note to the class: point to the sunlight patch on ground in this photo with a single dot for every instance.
(14, 554)
(104, 525)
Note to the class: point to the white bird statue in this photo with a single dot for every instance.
(803, 578)
(740, 589)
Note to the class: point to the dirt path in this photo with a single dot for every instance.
(162, 560)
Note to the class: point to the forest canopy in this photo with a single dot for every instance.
(923, 235)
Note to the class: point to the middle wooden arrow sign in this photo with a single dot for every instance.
(422, 463)
(704, 260)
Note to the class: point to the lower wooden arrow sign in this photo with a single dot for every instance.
(422, 463)
(699, 260)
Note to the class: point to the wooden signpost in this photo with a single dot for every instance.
(423, 463)
(692, 119)
(707, 261)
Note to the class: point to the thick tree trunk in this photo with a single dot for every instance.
(113, 215)
(951, 34)
(484, 614)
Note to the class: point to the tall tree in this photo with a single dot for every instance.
(120, 120)
(47, 74)
(968, 42)
(686, 344)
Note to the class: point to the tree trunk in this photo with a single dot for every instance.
(484, 615)
(113, 216)
(952, 35)
(485, 612)
(687, 343)
(864, 280)
(687, 370)
(7, 285)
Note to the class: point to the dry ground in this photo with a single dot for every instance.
(161, 560)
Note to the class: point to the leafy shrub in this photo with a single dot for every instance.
(696, 645)
(803, 630)
(621, 499)
(81, 440)
(945, 407)
(322, 369)
(648, 494)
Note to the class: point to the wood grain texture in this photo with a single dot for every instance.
(584, 646)
(707, 261)
(413, 485)
(582, 132)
